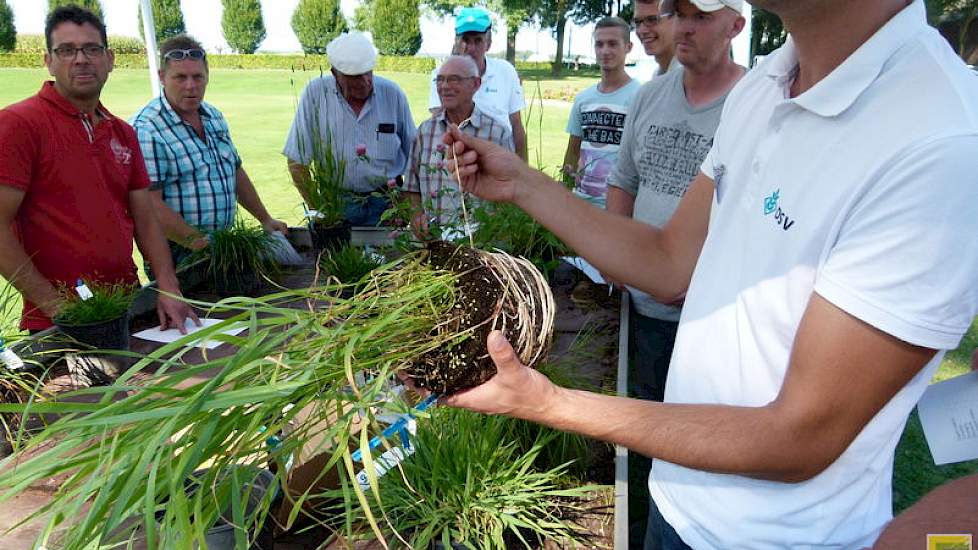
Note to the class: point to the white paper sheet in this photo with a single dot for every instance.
(588, 269)
(949, 414)
(172, 335)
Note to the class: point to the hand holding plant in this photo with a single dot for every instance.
(486, 170)
(516, 390)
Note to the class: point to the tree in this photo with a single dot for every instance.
(397, 27)
(167, 17)
(8, 33)
(957, 21)
(243, 26)
(316, 23)
(554, 15)
(93, 6)
(363, 16)
(767, 33)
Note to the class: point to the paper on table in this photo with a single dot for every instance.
(172, 335)
(588, 269)
(949, 415)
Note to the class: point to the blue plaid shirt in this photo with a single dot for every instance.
(195, 176)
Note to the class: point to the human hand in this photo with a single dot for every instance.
(272, 225)
(487, 170)
(198, 243)
(515, 390)
(173, 313)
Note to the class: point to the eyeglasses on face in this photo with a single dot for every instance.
(179, 55)
(649, 20)
(452, 79)
(67, 53)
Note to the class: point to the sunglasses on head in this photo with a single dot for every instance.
(177, 55)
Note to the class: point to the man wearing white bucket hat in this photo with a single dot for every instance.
(366, 121)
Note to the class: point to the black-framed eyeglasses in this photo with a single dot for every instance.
(452, 79)
(67, 53)
(180, 55)
(649, 20)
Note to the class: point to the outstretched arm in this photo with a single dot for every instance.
(842, 371)
(608, 241)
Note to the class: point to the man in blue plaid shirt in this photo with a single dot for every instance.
(196, 173)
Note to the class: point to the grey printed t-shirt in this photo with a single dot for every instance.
(663, 145)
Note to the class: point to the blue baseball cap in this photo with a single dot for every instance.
(472, 20)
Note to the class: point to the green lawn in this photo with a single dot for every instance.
(259, 106)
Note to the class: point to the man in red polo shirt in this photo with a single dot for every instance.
(73, 186)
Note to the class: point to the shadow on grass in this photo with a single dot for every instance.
(914, 471)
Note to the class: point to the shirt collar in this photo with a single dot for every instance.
(474, 120)
(835, 93)
(50, 94)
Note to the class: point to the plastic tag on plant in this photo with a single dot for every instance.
(10, 359)
(384, 463)
(82, 289)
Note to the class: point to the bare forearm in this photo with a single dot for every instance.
(519, 135)
(152, 244)
(737, 440)
(618, 201)
(609, 242)
(174, 227)
(951, 508)
(300, 178)
(17, 268)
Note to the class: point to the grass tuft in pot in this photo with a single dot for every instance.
(324, 195)
(470, 483)
(349, 264)
(237, 258)
(101, 321)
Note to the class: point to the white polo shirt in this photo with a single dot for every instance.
(500, 95)
(864, 189)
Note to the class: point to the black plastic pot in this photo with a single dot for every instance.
(111, 334)
(236, 283)
(330, 237)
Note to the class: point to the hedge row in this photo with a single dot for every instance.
(34, 43)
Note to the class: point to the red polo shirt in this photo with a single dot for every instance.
(74, 221)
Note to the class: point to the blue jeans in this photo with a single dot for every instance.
(660, 535)
(364, 210)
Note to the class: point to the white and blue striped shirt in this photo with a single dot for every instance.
(384, 126)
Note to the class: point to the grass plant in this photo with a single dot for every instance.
(349, 264)
(470, 482)
(127, 449)
(236, 253)
(109, 301)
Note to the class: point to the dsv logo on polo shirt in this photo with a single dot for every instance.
(780, 216)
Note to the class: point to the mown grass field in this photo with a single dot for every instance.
(259, 106)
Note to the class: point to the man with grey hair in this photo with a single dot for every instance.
(196, 172)
(430, 188)
(364, 119)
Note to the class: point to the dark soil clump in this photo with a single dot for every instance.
(466, 364)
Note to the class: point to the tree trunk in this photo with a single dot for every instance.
(512, 27)
(558, 64)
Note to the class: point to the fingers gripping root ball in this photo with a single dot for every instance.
(496, 291)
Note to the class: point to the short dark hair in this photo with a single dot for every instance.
(73, 14)
(615, 22)
(179, 42)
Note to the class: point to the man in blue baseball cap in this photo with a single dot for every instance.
(501, 93)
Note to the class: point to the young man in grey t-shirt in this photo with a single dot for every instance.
(668, 132)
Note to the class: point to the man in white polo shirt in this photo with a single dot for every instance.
(827, 256)
(501, 93)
